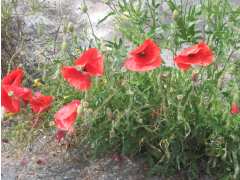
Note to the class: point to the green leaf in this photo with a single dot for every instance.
(105, 17)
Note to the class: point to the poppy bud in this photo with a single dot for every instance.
(140, 120)
(235, 108)
(70, 27)
(179, 97)
(194, 76)
(90, 110)
(65, 28)
(84, 8)
(164, 75)
(85, 104)
(175, 14)
(64, 45)
(75, 37)
(109, 113)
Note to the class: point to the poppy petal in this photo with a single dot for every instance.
(75, 78)
(22, 93)
(15, 77)
(183, 66)
(234, 108)
(40, 103)
(60, 135)
(131, 65)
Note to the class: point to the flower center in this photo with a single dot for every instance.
(191, 55)
(81, 68)
(10, 93)
(142, 54)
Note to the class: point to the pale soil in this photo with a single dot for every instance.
(46, 159)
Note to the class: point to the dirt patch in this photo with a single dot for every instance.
(45, 159)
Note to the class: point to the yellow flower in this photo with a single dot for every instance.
(37, 83)
(9, 114)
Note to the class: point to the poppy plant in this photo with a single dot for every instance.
(199, 54)
(15, 77)
(144, 58)
(88, 65)
(235, 108)
(40, 103)
(65, 118)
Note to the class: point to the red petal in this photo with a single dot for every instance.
(92, 62)
(183, 66)
(22, 93)
(60, 135)
(10, 103)
(75, 78)
(40, 103)
(66, 116)
(191, 50)
(235, 109)
(131, 65)
(15, 77)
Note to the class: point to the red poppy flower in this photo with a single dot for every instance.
(15, 77)
(12, 96)
(65, 118)
(40, 103)
(91, 62)
(199, 54)
(75, 78)
(144, 58)
(235, 108)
